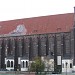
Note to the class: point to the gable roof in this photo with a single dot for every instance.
(39, 25)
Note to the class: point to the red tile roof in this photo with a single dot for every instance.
(39, 25)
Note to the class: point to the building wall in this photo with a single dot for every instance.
(31, 46)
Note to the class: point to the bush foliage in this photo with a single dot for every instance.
(37, 65)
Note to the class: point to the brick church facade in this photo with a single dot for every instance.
(24, 39)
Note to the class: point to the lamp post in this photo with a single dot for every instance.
(66, 68)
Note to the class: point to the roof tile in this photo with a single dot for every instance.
(40, 25)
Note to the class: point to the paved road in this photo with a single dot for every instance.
(40, 74)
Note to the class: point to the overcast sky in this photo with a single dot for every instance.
(17, 9)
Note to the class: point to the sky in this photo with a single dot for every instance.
(18, 9)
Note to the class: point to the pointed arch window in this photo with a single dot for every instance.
(23, 64)
(8, 63)
(11, 63)
(26, 64)
(70, 65)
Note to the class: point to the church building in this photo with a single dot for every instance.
(22, 40)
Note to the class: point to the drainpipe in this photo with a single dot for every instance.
(74, 42)
(74, 16)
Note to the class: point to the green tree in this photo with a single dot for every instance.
(37, 65)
